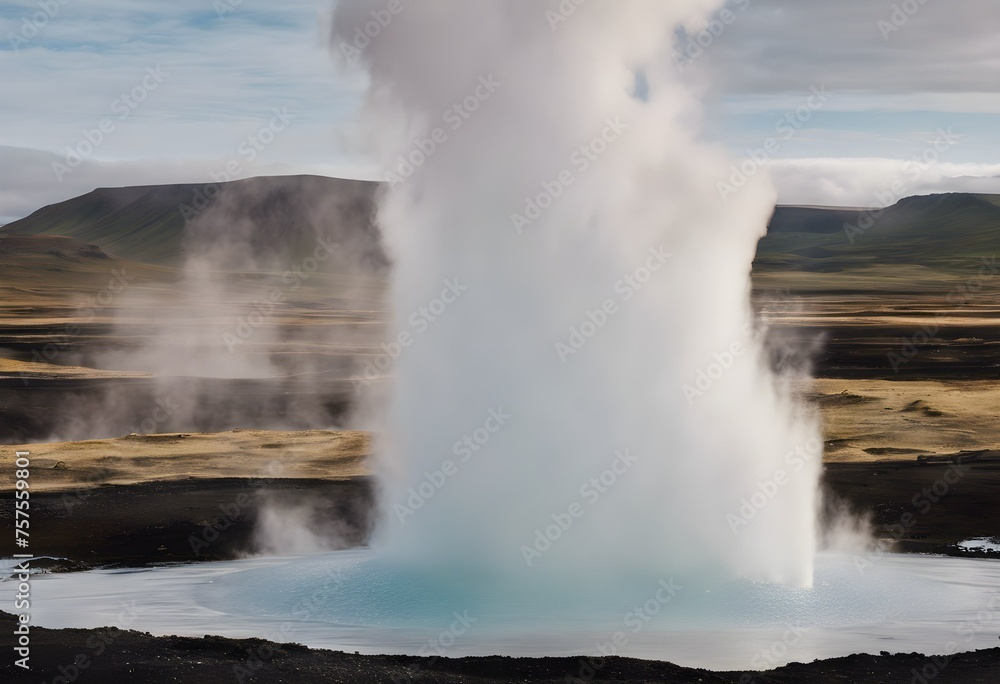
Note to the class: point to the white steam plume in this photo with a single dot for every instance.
(561, 76)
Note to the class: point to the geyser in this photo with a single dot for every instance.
(595, 406)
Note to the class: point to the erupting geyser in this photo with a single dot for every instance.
(583, 447)
(579, 394)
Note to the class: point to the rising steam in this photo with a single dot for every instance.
(546, 157)
(259, 326)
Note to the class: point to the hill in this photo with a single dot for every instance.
(941, 232)
(277, 215)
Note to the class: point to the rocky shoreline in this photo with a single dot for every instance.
(114, 656)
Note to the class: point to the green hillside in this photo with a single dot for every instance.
(940, 232)
(279, 215)
(140, 224)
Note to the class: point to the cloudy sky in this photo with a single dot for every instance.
(182, 91)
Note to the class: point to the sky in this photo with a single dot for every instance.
(837, 100)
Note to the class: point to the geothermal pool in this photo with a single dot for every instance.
(350, 600)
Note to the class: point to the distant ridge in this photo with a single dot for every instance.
(937, 231)
(149, 223)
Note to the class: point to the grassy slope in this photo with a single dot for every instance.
(937, 231)
(148, 223)
(143, 223)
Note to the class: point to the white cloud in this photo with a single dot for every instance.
(944, 47)
(868, 182)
